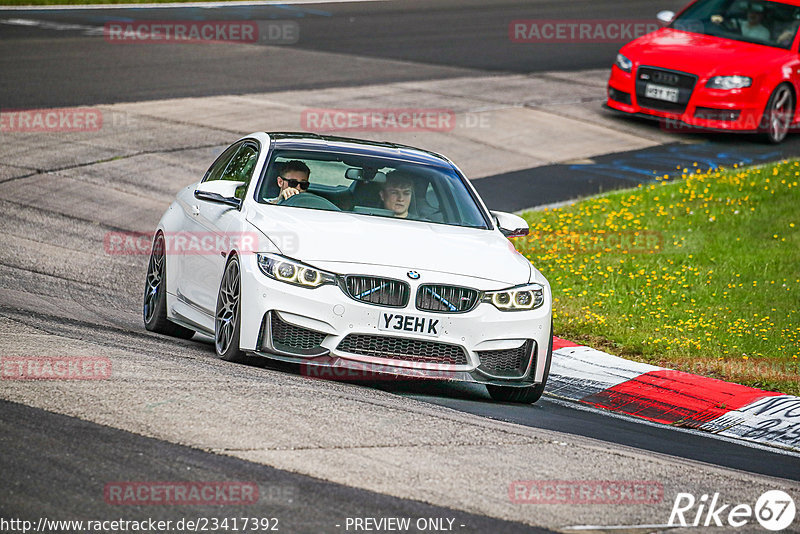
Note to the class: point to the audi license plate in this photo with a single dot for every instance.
(413, 324)
(659, 92)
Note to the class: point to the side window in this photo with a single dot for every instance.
(240, 167)
(218, 167)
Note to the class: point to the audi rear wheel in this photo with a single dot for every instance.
(779, 114)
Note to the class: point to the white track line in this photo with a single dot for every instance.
(50, 25)
(618, 527)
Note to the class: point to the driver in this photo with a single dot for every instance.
(396, 193)
(753, 27)
(292, 180)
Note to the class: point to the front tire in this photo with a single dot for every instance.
(778, 114)
(524, 395)
(154, 307)
(227, 319)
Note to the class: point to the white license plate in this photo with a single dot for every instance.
(412, 324)
(659, 92)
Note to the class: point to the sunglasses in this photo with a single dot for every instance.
(302, 184)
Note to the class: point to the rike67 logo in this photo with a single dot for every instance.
(774, 510)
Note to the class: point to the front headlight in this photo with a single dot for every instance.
(528, 297)
(623, 63)
(293, 272)
(729, 82)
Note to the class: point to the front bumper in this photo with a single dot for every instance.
(737, 110)
(325, 328)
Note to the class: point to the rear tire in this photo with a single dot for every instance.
(154, 307)
(524, 395)
(778, 115)
(227, 319)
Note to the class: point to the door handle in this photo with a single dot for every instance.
(195, 210)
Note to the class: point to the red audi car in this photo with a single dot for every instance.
(728, 65)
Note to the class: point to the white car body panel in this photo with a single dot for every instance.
(380, 241)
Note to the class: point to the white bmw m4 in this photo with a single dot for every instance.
(342, 254)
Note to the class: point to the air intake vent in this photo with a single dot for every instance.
(449, 299)
(378, 291)
(399, 348)
(288, 336)
(508, 363)
(679, 85)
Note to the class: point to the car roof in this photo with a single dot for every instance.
(383, 149)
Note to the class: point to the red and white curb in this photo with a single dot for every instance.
(598, 379)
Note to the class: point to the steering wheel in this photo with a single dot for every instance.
(731, 24)
(309, 200)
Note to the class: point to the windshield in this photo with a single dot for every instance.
(369, 186)
(766, 23)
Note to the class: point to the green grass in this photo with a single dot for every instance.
(700, 274)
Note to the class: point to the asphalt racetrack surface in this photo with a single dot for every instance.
(57, 467)
(61, 67)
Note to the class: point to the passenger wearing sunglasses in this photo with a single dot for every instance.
(292, 180)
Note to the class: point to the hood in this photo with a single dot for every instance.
(315, 235)
(704, 55)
